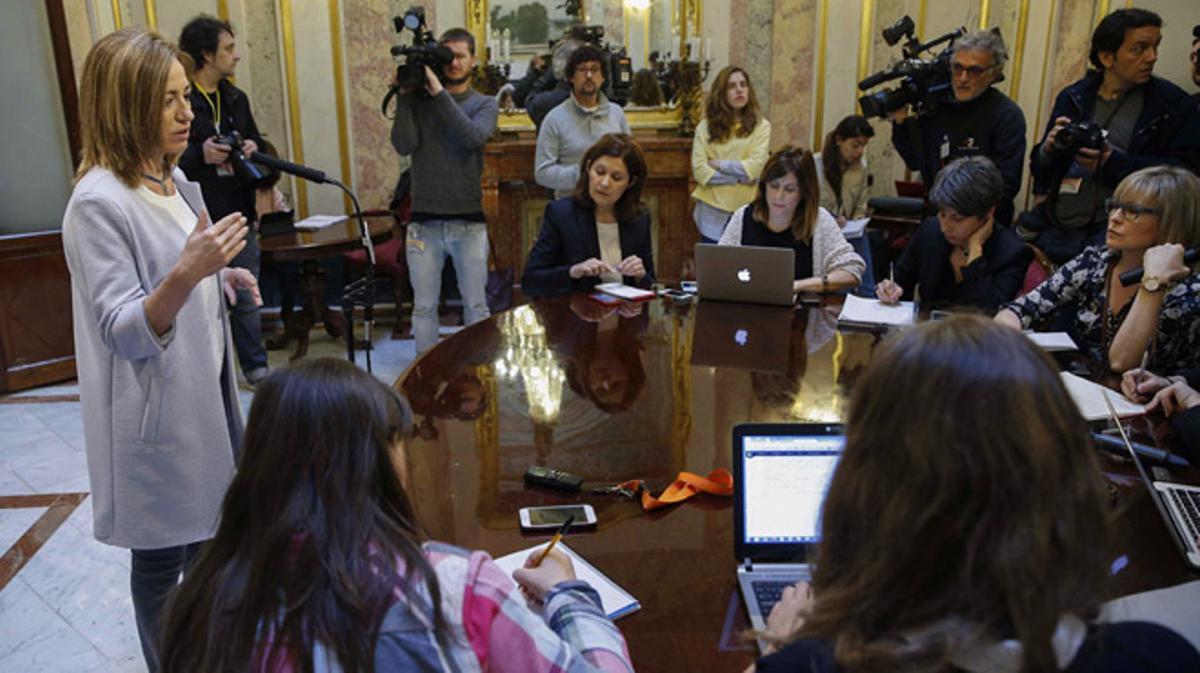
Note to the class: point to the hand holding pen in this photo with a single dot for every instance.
(887, 290)
(546, 567)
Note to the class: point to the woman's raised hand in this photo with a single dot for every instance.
(210, 248)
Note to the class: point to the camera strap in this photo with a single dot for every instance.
(216, 109)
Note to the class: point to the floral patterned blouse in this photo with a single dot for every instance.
(1081, 283)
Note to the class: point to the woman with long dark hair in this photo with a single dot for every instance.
(972, 536)
(599, 234)
(319, 563)
(786, 213)
(842, 169)
(729, 148)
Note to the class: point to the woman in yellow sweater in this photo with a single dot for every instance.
(731, 146)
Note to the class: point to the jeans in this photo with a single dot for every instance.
(866, 288)
(244, 321)
(426, 248)
(153, 574)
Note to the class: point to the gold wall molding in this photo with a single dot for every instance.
(822, 42)
(985, 7)
(477, 14)
(1014, 88)
(223, 10)
(1102, 11)
(151, 14)
(864, 41)
(289, 60)
(339, 93)
(118, 23)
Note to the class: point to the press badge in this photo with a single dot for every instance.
(225, 170)
(1070, 185)
(414, 229)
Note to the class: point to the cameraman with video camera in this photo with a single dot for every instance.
(443, 124)
(223, 136)
(975, 120)
(1115, 120)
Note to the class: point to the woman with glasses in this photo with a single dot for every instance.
(1153, 216)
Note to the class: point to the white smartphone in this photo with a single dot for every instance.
(688, 286)
(539, 518)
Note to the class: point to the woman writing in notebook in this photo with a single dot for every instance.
(1153, 215)
(786, 213)
(599, 234)
(729, 149)
(320, 564)
(991, 552)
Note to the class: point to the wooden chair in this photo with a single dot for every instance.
(1039, 270)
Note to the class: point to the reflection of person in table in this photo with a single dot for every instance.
(969, 536)
(319, 557)
(1154, 214)
(156, 370)
(444, 383)
(787, 213)
(599, 234)
(961, 258)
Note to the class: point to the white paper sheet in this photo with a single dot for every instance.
(624, 291)
(616, 601)
(1053, 341)
(1089, 397)
(313, 222)
(861, 311)
(855, 228)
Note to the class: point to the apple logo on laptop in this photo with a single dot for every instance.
(740, 337)
(743, 275)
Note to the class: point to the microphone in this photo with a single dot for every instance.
(1134, 276)
(879, 78)
(278, 164)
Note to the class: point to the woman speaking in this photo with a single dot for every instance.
(156, 375)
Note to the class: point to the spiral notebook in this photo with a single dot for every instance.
(616, 601)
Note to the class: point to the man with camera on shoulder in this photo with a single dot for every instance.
(976, 120)
(223, 136)
(444, 124)
(1117, 119)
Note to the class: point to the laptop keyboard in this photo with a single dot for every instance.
(767, 593)
(1187, 504)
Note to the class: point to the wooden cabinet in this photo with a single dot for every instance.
(513, 201)
(37, 345)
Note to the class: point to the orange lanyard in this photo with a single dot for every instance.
(686, 485)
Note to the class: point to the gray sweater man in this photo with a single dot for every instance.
(566, 134)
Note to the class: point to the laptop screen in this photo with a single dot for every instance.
(784, 480)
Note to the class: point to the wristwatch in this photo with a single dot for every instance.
(1152, 283)
(824, 283)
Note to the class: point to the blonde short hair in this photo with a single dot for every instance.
(1175, 192)
(121, 102)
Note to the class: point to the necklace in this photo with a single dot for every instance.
(162, 183)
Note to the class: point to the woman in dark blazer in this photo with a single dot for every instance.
(599, 234)
(961, 259)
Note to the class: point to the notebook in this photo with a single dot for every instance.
(1177, 504)
(746, 273)
(616, 601)
(313, 222)
(742, 336)
(1090, 398)
(855, 228)
(859, 312)
(623, 291)
(781, 473)
(1053, 341)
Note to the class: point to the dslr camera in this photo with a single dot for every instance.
(424, 51)
(924, 81)
(241, 165)
(1074, 137)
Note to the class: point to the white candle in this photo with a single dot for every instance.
(707, 53)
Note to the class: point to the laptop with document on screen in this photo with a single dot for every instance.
(746, 273)
(781, 472)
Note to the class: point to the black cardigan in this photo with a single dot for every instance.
(568, 236)
(988, 282)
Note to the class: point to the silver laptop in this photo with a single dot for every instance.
(781, 472)
(746, 273)
(1178, 504)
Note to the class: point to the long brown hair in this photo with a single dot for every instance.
(799, 162)
(853, 126)
(316, 534)
(121, 103)
(968, 505)
(722, 119)
(625, 148)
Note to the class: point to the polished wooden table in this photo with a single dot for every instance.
(572, 385)
(308, 247)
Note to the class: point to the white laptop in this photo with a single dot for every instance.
(746, 273)
(781, 472)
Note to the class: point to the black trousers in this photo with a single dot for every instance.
(153, 574)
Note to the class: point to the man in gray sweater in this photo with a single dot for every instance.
(577, 123)
(444, 126)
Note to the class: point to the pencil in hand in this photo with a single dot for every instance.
(554, 540)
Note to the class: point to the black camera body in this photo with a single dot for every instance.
(424, 51)
(925, 81)
(243, 166)
(1074, 137)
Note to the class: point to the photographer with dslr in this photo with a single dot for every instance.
(975, 120)
(444, 125)
(223, 136)
(1115, 120)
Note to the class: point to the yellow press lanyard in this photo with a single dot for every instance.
(216, 109)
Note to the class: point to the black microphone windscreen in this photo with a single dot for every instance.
(285, 166)
(1134, 276)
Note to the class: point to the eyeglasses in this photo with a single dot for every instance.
(1130, 211)
(973, 70)
(590, 69)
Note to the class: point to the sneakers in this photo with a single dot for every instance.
(254, 376)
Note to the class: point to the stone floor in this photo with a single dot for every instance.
(64, 597)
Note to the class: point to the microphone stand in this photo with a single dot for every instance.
(360, 292)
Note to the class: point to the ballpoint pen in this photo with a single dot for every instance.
(554, 540)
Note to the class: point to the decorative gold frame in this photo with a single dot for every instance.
(663, 118)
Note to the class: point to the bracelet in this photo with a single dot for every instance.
(824, 283)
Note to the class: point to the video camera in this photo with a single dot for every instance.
(424, 51)
(243, 166)
(925, 80)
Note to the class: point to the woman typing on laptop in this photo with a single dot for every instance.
(990, 551)
(599, 234)
(786, 213)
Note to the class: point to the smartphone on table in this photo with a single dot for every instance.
(550, 518)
